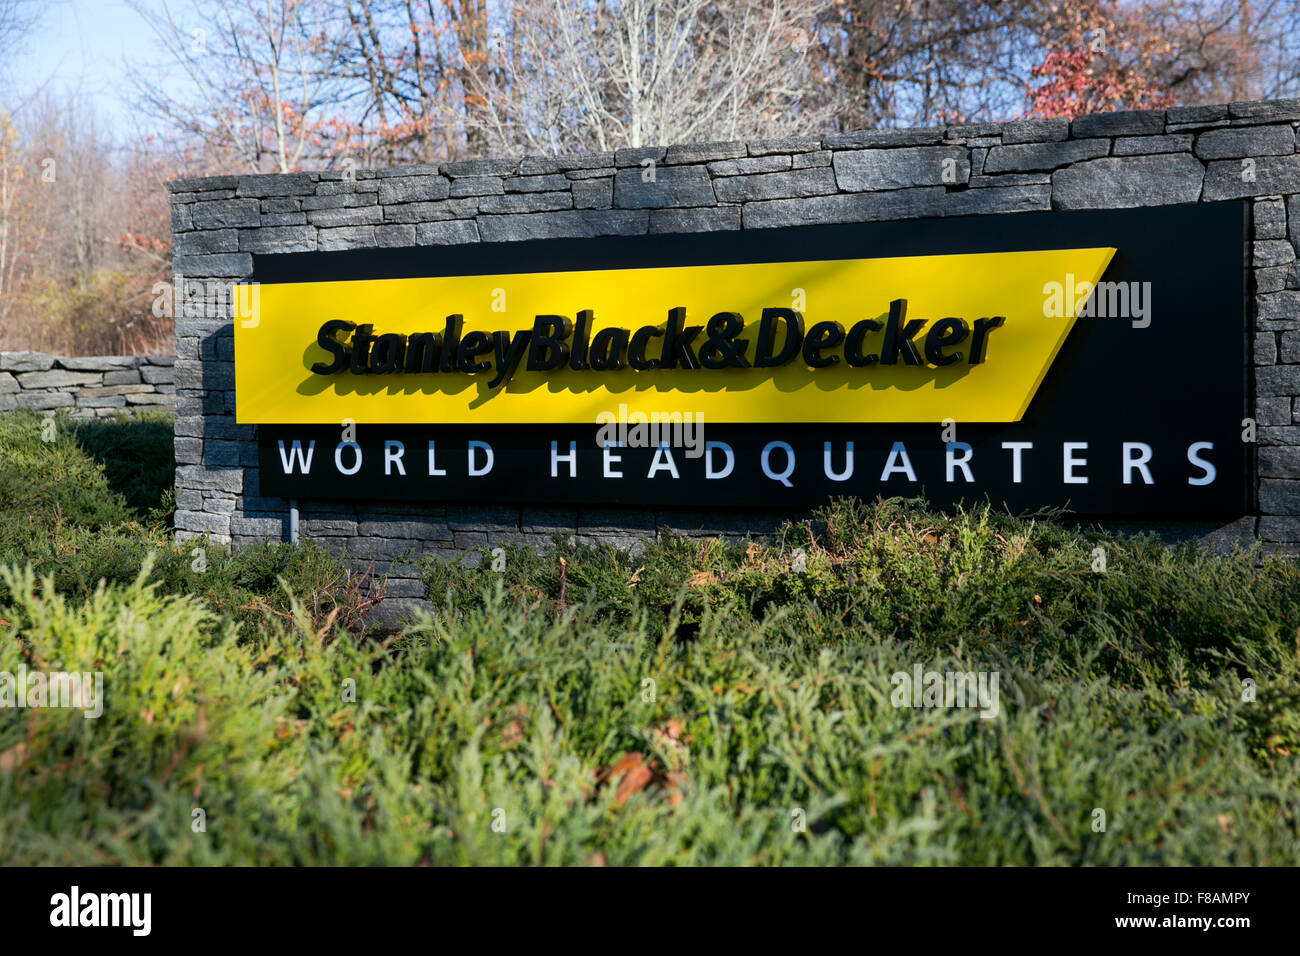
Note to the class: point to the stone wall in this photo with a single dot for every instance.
(1114, 160)
(90, 386)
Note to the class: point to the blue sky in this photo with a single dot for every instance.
(82, 47)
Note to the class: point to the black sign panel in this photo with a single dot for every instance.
(1136, 417)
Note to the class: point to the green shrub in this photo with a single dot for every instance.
(755, 747)
(138, 456)
(46, 486)
(699, 702)
(251, 585)
(999, 585)
(94, 505)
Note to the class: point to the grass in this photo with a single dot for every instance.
(702, 702)
(94, 504)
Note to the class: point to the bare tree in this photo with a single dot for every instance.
(921, 62)
(579, 74)
(83, 232)
(11, 175)
(1213, 51)
(17, 17)
(401, 76)
(286, 83)
(263, 69)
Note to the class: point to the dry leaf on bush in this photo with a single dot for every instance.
(634, 775)
(669, 736)
(514, 731)
(13, 758)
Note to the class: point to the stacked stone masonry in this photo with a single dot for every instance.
(92, 386)
(1114, 160)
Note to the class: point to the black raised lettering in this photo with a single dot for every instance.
(723, 349)
(944, 334)
(607, 348)
(387, 354)
(979, 340)
(361, 340)
(677, 341)
(326, 340)
(474, 344)
(581, 335)
(898, 337)
(763, 357)
(636, 351)
(422, 351)
(853, 344)
(450, 343)
(509, 351)
(548, 349)
(823, 335)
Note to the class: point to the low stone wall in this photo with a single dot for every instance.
(92, 386)
(1200, 154)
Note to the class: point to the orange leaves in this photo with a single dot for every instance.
(13, 758)
(633, 773)
(674, 783)
(699, 579)
(670, 738)
(513, 734)
(1096, 60)
(137, 240)
(284, 729)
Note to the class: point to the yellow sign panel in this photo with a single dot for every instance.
(911, 339)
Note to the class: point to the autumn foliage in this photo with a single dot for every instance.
(1096, 62)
